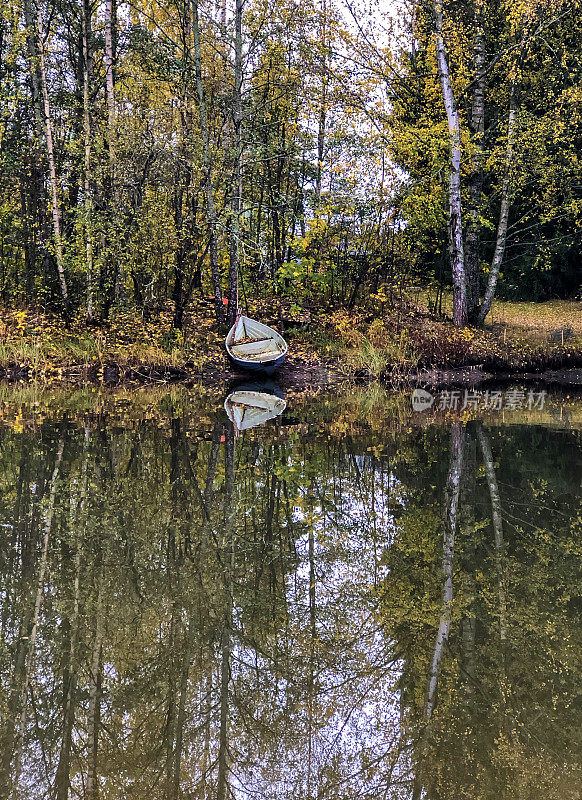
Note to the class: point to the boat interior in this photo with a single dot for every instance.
(255, 343)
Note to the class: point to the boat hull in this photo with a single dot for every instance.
(266, 368)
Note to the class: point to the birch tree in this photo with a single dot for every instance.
(481, 54)
(476, 178)
(110, 23)
(455, 224)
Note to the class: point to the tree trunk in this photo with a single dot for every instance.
(178, 294)
(207, 167)
(473, 237)
(236, 203)
(48, 136)
(87, 73)
(34, 67)
(504, 212)
(30, 185)
(456, 251)
(109, 278)
(110, 17)
(321, 124)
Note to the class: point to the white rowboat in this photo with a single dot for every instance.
(255, 347)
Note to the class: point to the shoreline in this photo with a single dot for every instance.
(295, 375)
(326, 352)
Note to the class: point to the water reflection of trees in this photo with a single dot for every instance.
(480, 598)
(286, 614)
(179, 616)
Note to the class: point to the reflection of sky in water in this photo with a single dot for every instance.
(339, 707)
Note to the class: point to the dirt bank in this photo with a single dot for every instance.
(296, 376)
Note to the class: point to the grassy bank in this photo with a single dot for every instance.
(519, 337)
(534, 322)
(379, 343)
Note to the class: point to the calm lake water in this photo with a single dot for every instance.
(349, 601)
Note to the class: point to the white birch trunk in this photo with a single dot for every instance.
(110, 86)
(473, 231)
(322, 122)
(456, 250)
(504, 212)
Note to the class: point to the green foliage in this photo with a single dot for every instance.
(345, 157)
(534, 48)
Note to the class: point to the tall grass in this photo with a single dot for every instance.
(35, 352)
(375, 359)
(22, 351)
(38, 352)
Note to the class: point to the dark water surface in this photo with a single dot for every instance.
(340, 603)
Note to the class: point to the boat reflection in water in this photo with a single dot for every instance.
(252, 404)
